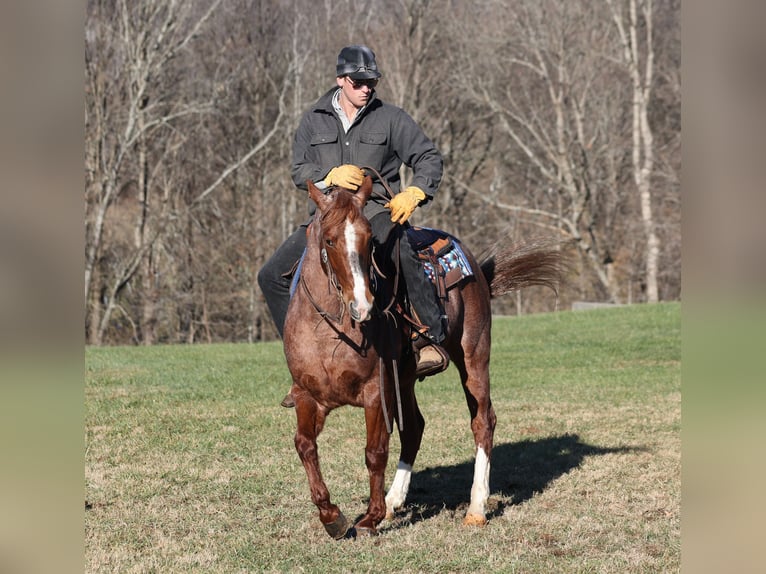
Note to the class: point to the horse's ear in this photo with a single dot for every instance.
(365, 190)
(316, 194)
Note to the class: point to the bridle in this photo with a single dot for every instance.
(335, 319)
(332, 284)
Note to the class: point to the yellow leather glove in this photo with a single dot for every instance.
(404, 203)
(347, 175)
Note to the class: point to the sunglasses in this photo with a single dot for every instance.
(357, 84)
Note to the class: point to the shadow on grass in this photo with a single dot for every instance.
(519, 470)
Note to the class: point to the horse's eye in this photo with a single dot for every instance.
(329, 242)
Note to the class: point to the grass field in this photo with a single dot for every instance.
(190, 464)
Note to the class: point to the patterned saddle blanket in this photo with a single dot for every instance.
(444, 262)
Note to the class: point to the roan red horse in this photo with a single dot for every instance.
(342, 349)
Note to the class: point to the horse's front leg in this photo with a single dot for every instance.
(376, 458)
(310, 422)
(410, 438)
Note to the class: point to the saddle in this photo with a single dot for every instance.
(444, 262)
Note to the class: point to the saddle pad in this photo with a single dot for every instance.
(296, 272)
(451, 258)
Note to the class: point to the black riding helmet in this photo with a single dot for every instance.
(358, 63)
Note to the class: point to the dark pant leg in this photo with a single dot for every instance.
(271, 278)
(419, 288)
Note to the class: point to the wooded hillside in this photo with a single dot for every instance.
(555, 118)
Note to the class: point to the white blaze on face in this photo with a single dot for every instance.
(363, 306)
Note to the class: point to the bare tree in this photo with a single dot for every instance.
(540, 72)
(636, 39)
(191, 108)
(128, 46)
(143, 106)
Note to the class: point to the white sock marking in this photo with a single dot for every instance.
(480, 488)
(398, 491)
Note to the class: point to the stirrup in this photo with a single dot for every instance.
(432, 359)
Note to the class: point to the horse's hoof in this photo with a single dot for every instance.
(474, 520)
(338, 527)
(390, 515)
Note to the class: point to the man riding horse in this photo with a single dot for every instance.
(349, 127)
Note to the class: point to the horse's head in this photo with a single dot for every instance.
(345, 243)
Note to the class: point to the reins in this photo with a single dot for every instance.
(390, 318)
(383, 182)
(338, 318)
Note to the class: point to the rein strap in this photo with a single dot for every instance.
(325, 315)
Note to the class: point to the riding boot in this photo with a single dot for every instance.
(274, 280)
(431, 357)
(425, 306)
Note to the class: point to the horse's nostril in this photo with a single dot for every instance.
(356, 315)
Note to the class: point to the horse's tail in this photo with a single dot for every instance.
(514, 267)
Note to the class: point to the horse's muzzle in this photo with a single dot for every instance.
(360, 315)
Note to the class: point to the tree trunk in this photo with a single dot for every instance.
(643, 140)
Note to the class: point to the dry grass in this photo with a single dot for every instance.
(190, 465)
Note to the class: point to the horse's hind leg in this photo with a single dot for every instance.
(410, 439)
(310, 422)
(474, 374)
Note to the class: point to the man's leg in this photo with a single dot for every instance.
(276, 287)
(271, 278)
(432, 358)
(421, 292)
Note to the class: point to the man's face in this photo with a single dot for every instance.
(357, 92)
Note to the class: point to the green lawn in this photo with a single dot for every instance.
(190, 464)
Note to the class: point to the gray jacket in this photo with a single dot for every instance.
(382, 136)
